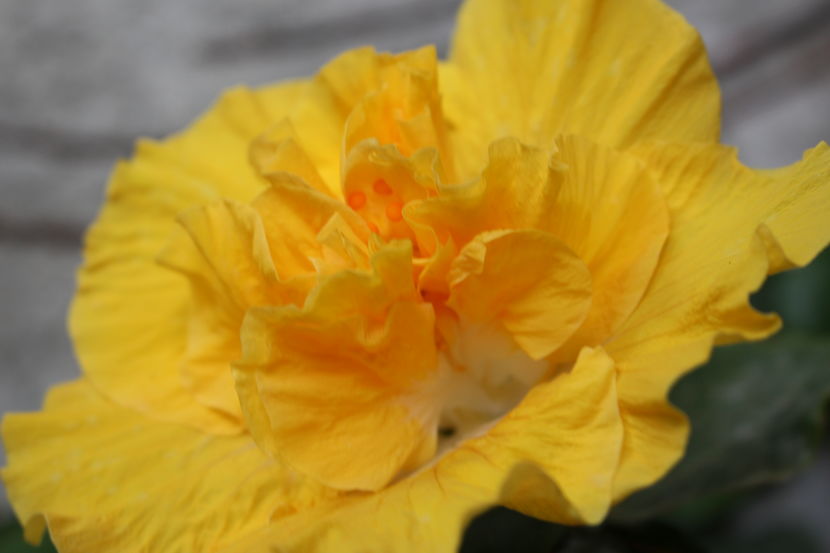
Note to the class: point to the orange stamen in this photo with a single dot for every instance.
(373, 227)
(381, 187)
(356, 200)
(393, 211)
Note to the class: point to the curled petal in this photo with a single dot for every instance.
(553, 457)
(729, 227)
(602, 204)
(226, 257)
(277, 151)
(345, 374)
(124, 292)
(527, 281)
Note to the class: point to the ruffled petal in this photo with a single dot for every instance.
(294, 215)
(226, 257)
(362, 94)
(616, 72)
(277, 150)
(552, 457)
(611, 213)
(129, 318)
(798, 225)
(378, 181)
(600, 203)
(527, 282)
(727, 223)
(129, 484)
(344, 374)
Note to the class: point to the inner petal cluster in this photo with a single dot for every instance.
(373, 324)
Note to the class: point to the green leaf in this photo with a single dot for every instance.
(11, 541)
(501, 529)
(773, 541)
(756, 416)
(648, 538)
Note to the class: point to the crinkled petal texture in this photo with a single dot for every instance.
(352, 312)
(728, 232)
(575, 415)
(122, 290)
(619, 72)
(333, 378)
(107, 478)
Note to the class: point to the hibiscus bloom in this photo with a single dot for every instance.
(348, 313)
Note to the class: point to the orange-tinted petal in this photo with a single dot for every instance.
(344, 374)
(552, 457)
(600, 203)
(525, 281)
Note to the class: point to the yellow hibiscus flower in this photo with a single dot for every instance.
(349, 313)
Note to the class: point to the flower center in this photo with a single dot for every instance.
(485, 375)
(380, 207)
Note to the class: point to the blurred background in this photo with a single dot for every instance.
(81, 79)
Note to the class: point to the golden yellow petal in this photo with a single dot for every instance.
(527, 282)
(293, 214)
(516, 190)
(342, 247)
(129, 484)
(612, 214)
(320, 120)
(602, 204)
(724, 218)
(616, 72)
(405, 109)
(378, 182)
(570, 429)
(216, 146)
(226, 256)
(277, 150)
(342, 375)
(552, 457)
(799, 223)
(129, 318)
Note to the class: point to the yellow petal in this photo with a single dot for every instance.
(129, 318)
(405, 109)
(227, 259)
(342, 247)
(129, 484)
(293, 214)
(320, 120)
(380, 179)
(277, 150)
(216, 146)
(724, 217)
(527, 281)
(799, 222)
(602, 204)
(342, 375)
(514, 191)
(570, 430)
(616, 72)
(612, 214)
(552, 457)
